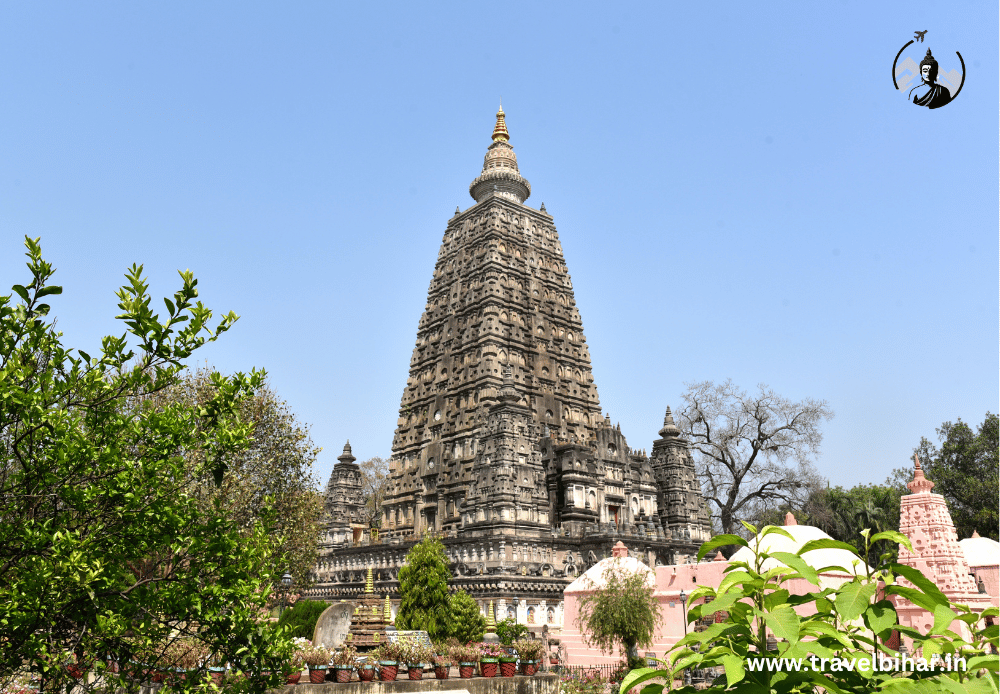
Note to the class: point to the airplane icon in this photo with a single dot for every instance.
(919, 36)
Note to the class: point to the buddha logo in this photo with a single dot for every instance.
(927, 84)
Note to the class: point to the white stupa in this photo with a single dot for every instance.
(596, 576)
(802, 534)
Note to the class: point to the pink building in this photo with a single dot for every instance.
(924, 518)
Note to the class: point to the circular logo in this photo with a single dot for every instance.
(923, 80)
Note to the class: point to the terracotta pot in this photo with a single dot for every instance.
(159, 675)
(366, 673)
(317, 674)
(488, 669)
(344, 674)
(217, 674)
(466, 669)
(387, 671)
(441, 671)
(415, 673)
(291, 678)
(508, 667)
(75, 671)
(529, 668)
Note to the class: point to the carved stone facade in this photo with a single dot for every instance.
(500, 444)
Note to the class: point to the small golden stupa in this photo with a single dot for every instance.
(368, 622)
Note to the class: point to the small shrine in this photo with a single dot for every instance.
(369, 620)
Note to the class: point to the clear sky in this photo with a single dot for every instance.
(739, 190)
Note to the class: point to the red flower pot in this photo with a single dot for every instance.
(488, 669)
(344, 674)
(508, 667)
(466, 669)
(529, 668)
(317, 674)
(366, 673)
(290, 679)
(75, 671)
(415, 673)
(441, 672)
(387, 672)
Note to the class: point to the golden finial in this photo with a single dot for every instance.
(388, 611)
(369, 584)
(500, 130)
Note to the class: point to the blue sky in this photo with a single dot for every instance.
(739, 190)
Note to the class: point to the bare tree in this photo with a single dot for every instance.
(376, 480)
(752, 452)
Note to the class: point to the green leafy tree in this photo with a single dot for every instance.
(620, 613)
(423, 590)
(751, 451)
(274, 469)
(832, 648)
(106, 554)
(965, 471)
(467, 622)
(510, 631)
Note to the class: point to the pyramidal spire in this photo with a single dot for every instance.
(920, 483)
(669, 429)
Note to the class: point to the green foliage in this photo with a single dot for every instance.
(510, 631)
(843, 634)
(965, 471)
(468, 624)
(620, 613)
(301, 618)
(423, 590)
(275, 468)
(105, 553)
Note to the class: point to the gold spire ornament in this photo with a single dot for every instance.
(369, 583)
(500, 130)
(388, 611)
(491, 621)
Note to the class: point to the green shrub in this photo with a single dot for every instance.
(467, 623)
(302, 617)
(510, 631)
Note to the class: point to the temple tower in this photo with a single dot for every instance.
(500, 296)
(924, 518)
(343, 502)
(682, 508)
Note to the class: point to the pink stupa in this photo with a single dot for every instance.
(925, 519)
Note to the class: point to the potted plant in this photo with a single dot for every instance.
(366, 666)
(489, 660)
(297, 662)
(388, 660)
(343, 663)
(416, 656)
(530, 652)
(442, 660)
(508, 664)
(467, 658)
(317, 658)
